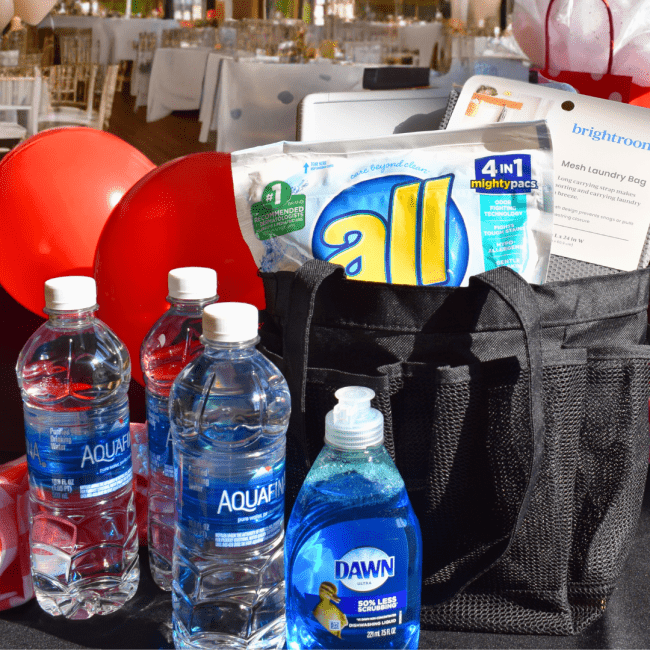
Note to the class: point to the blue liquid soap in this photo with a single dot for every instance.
(353, 549)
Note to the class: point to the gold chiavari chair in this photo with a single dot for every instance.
(79, 93)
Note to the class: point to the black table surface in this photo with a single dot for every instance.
(145, 621)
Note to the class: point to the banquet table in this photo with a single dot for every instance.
(145, 621)
(257, 103)
(176, 82)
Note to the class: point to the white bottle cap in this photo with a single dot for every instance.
(192, 283)
(70, 293)
(353, 423)
(230, 322)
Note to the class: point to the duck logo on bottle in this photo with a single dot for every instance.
(395, 229)
(364, 569)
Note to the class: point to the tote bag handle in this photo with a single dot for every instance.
(295, 342)
(508, 285)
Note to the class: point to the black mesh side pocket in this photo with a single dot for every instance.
(442, 425)
(525, 592)
(566, 557)
(611, 474)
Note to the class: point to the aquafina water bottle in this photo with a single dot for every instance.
(229, 412)
(172, 342)
(74, 375)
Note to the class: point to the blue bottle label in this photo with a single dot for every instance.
(351, 579)
(231, 514)
(76, 466)
(161, 451)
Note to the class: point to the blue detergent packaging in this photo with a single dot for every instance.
(353, 548)
(429, 208)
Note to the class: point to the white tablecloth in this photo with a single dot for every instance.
(209, 96)
(207, 110)
(422, 37)
(176, 81)
(123, 32)
(257, 102)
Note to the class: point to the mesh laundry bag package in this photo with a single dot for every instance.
(601, 222)
(430, 208)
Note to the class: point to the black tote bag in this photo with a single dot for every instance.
(517, 415)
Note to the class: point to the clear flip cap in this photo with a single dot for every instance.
(230, 322)
(70, 293)
(192, 283)
(353, 423)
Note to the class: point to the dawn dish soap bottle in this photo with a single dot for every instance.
(353, 548)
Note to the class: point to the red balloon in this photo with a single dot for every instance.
(180, 214)
(57, 190)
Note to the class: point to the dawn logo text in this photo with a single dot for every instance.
(364, 569)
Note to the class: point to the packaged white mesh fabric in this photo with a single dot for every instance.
(430, 208)
(601, 220)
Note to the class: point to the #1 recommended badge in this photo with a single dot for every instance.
(279, 212)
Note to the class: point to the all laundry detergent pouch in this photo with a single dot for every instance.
(428, 208)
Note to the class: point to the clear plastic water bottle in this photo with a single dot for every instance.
(229, 412)
(173, 341)
(353, 549)
(74, 375)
